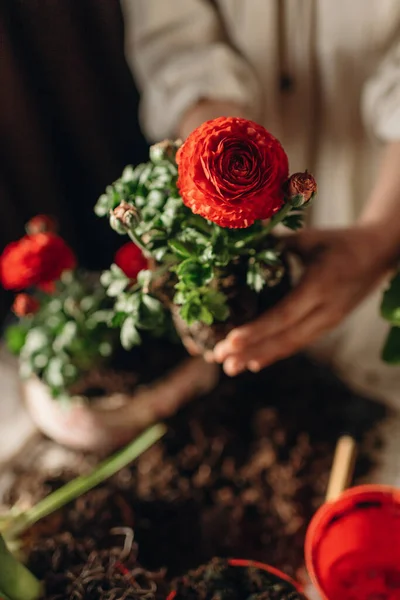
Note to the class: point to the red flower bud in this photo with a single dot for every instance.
(41, 224)
(129, 258)
(300, 188)
(25, 305)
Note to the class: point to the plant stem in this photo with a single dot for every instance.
(16, 581)
(136, 240)
(277, 218)
(84, 483)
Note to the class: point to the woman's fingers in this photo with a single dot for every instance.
(282, 345)
(284, 316)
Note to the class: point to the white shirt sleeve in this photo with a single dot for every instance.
(381, 98)
(179, 55)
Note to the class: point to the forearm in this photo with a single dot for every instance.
(382, 213)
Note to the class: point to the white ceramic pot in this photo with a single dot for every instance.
(112, 422)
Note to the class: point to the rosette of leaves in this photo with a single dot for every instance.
(68, 335)
(390, 311)
(145, 204)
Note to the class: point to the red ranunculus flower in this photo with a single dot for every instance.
(232, 172)
(25, 305)
(129, 258)
(35, 260)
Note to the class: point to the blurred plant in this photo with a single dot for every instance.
(62, 328)
(390, 311)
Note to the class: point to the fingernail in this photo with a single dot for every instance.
(254, 366)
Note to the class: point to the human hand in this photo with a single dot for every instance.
(342, 268)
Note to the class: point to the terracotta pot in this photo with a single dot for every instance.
(113, 421)
(353, 545)
(239, 562)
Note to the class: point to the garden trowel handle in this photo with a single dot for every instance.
(342, 468)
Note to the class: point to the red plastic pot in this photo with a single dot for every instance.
(239, 562)
(353, 545)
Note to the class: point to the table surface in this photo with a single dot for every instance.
(17, 432)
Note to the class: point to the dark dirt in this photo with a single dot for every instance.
(128, 370)
(239, 474)
(219, 581)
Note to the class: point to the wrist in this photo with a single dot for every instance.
(382, 239)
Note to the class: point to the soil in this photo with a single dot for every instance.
(239, 474)
(219, 581)
(128, 370)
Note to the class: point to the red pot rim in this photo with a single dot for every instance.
(324, 515)
(243, 562)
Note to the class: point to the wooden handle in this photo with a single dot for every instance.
(342, 468)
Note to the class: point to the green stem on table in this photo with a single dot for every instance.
(84, 483)
(16, 581)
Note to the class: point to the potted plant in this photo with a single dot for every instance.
(390, 311)
(236, 579)
(204, 214)
(81, 385)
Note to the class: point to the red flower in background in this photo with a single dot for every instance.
(130, 259)
(25, 305)
(35, 260)
(41, 224)
(232, 172)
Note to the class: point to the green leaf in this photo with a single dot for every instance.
(103, 206)
(181, 249)
(117, 287)
(144, 278)
(107, 277)
(255, 277)
(98, 317)
(54, 373)
(151, 313)
(190, 312)
(391, 350)
(15, 338)
(294, 221)
(216, 302)
(206, 316)
(160, 253)
(36, 339)
(128, 304)
(194, 272)
(153, 305)
(269, 257)
(390, 307)
(66, 336)
(129, 334)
